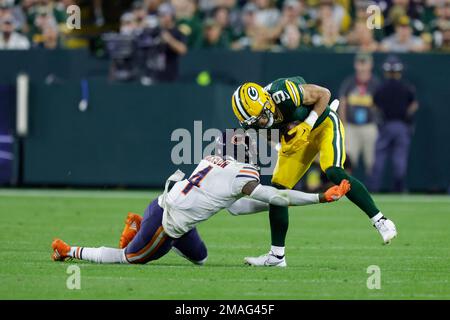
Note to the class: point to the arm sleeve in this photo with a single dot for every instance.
(246, 205)
(283, 198)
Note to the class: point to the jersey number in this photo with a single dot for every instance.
(280, 96)
(195, 180)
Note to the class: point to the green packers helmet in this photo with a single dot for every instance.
(250, 102)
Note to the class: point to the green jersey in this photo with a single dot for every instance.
(287, 94)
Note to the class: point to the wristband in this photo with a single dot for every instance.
(312, 118)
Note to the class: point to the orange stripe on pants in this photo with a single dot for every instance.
(147, 256)
(146, 247)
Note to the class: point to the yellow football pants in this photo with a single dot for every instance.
(327, 140)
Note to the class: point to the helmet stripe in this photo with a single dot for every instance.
(243, 97)
(237, 101)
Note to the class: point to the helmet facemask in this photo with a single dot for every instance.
(266, 112)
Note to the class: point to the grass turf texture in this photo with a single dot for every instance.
(329, 248)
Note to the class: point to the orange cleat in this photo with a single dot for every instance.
(60, 250)
(132, 226)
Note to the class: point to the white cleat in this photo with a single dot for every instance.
(266, 260)
(387, 230)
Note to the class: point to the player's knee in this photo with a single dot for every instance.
(336, 174)
(135, 261)
(202, 255)
(201, 262)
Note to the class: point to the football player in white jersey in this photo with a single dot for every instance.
(169, 222)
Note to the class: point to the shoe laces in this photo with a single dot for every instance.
(380, 224)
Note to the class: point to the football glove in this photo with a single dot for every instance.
(303, 130)
(299, 141)
(336, 192)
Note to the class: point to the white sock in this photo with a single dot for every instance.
(278, 251)
(99, 255)
(377, 217)
(72, 252)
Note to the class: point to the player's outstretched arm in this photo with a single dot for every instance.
(247, 205)
(286, 198)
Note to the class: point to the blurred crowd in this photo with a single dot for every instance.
(26, 24)
(275, 25)
(404, 25)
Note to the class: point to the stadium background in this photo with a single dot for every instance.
(123, 139)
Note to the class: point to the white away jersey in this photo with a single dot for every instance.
(214, 185)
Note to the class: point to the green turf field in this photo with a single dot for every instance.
(329, 248)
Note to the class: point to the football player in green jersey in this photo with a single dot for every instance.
(318, 131)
